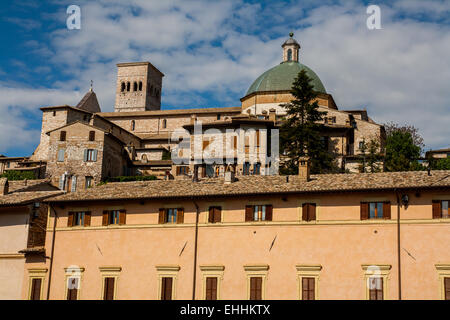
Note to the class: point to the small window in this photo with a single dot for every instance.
(166, 288)
(447, 288)
(258, 213)
(91, 135)
(218, 116)
(308, 211)
(122, 87)
(256, 288)
(289, 55)
(164, 124)
(308, 288)
(171, 215)
(133, 125)
(182, 170)
(325, 142)
(62, 136)
(90, 155)
(361, 145)
(54, 113)
(257, 168)
(78, 219)
(140, 85)
(211, 288)
(113, 217)
(8, 164)
(108, 292)
(376, 288)
(128, 86)
(440, 209)
(215, 214)
(88, 182)
(72, 288)
(35, 293)
(135, 86)
(375, 210)
(61, 153)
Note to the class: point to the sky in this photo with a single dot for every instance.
(211, 52)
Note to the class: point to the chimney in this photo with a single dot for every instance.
(272, 115)
(229, 177)
(4, 186)
(304, 165)
(193, 119)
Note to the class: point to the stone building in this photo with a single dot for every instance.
(136, 137)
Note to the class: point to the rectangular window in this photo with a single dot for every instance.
(8, 165)
(440, 209)
(88, 182)
(78, 219)
(309, 211)
(91, 135)
(182, 170)
(72, 289)
(447, 288)
(214, 214)
(35, 289)
(246, 169)
(376, 288)
(375, 210)
(113, 217)
(257, 168)
(61, 153)
(308, 288)
(62, 136)
(90, 155)
(211, 288)
(258, 213)
(166, 288)
(171, 215)
(108, 293)
(255, 288)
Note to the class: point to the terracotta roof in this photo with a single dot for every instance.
(153, 163)
(439, 150)
(170, 112)
(24, 192)
(153, 136)
(261, 185)
(64, 107)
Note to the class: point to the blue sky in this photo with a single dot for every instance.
(211, 51)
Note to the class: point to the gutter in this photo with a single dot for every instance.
(194, 276)
(52, 250)
(399, 274)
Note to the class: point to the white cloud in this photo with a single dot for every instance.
(216, 49)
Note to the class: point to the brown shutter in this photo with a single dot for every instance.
(211, 288)
(257, 138)
(258, 291)
(162, 216)
(311, 212)
(252, 288)
(177, 171)
(380, 291)
(305, 208)
(70, 219)
(217, 214)
(180, 215)
(386, 210)
(305, 283)
(166, 288)
(269, 210)
(122, 217)
(447, 288)
(36, 289)
(109, 289)
(364, 210)
(87, 219)
(248, 213)
(91, 135)
(211, 216)
(105, 218)
(311, 287)
(437, 210)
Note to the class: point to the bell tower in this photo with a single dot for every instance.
(290, 49)
(138, 87)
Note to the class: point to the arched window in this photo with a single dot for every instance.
(128, 86)
(164, 124)
(135, 87)
(122, 87)
(133, 125)
(144, 158)
(140, 85)
(289, 55)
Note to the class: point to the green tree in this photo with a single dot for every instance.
(370, 156)
(440, 164)
(18, 175)
(401, 152)
(300, 132)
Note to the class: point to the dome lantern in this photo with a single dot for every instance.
(290, 49)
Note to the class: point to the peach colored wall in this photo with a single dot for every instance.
(338, 241)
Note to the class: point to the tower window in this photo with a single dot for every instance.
(140, 85)
(62, 136)
(164, 124)
(289, 55)
(122, 88)
(135, 86)
(91, 135)
(133, 125)
(128, 86)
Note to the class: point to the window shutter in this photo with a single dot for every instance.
(166, 288)
(87, 218)
(180, 215)
(74, 184)
(109, 289)
(248, 213)
(217, 214)
(257, 138)
(36, 289)
(387, 210)
(311, 287)
(305, 208)
(305, 284)
(85, 157)
(364, 210)
(61, 182)
(211, 216)
(122, 217)
(91, 135)
(95, 155)
(311, 212)
(162, 216)
(70, 219)
(235, 142)
(105, 218)
(437, 211)
(269, 211)
(447, 288)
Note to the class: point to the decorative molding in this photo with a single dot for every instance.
(370, 271)
(168, 268)
(308, 268)
(12, 256)
(110, 269)
(37, 270)
(443, 271)
(212, 268)
(256, 267)
(442, 267)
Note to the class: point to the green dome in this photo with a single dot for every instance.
(282, 76)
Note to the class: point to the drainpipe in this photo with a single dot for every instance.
(197, 210)
(52, 251)
(398, 248)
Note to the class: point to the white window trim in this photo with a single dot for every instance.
(167, 271)
(109, 272)
(369, 272)
(443, 271)
(212, 271)
(257, 270)
(73, 272)
(36, 273)
(308, 271)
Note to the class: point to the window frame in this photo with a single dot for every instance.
(213, 219)
(109, 272)
(36, 274)
(258, 270)
(212, 271)
(378, 271)
(73, 272)
(167, 271)
(443, 272)
(308, 271)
